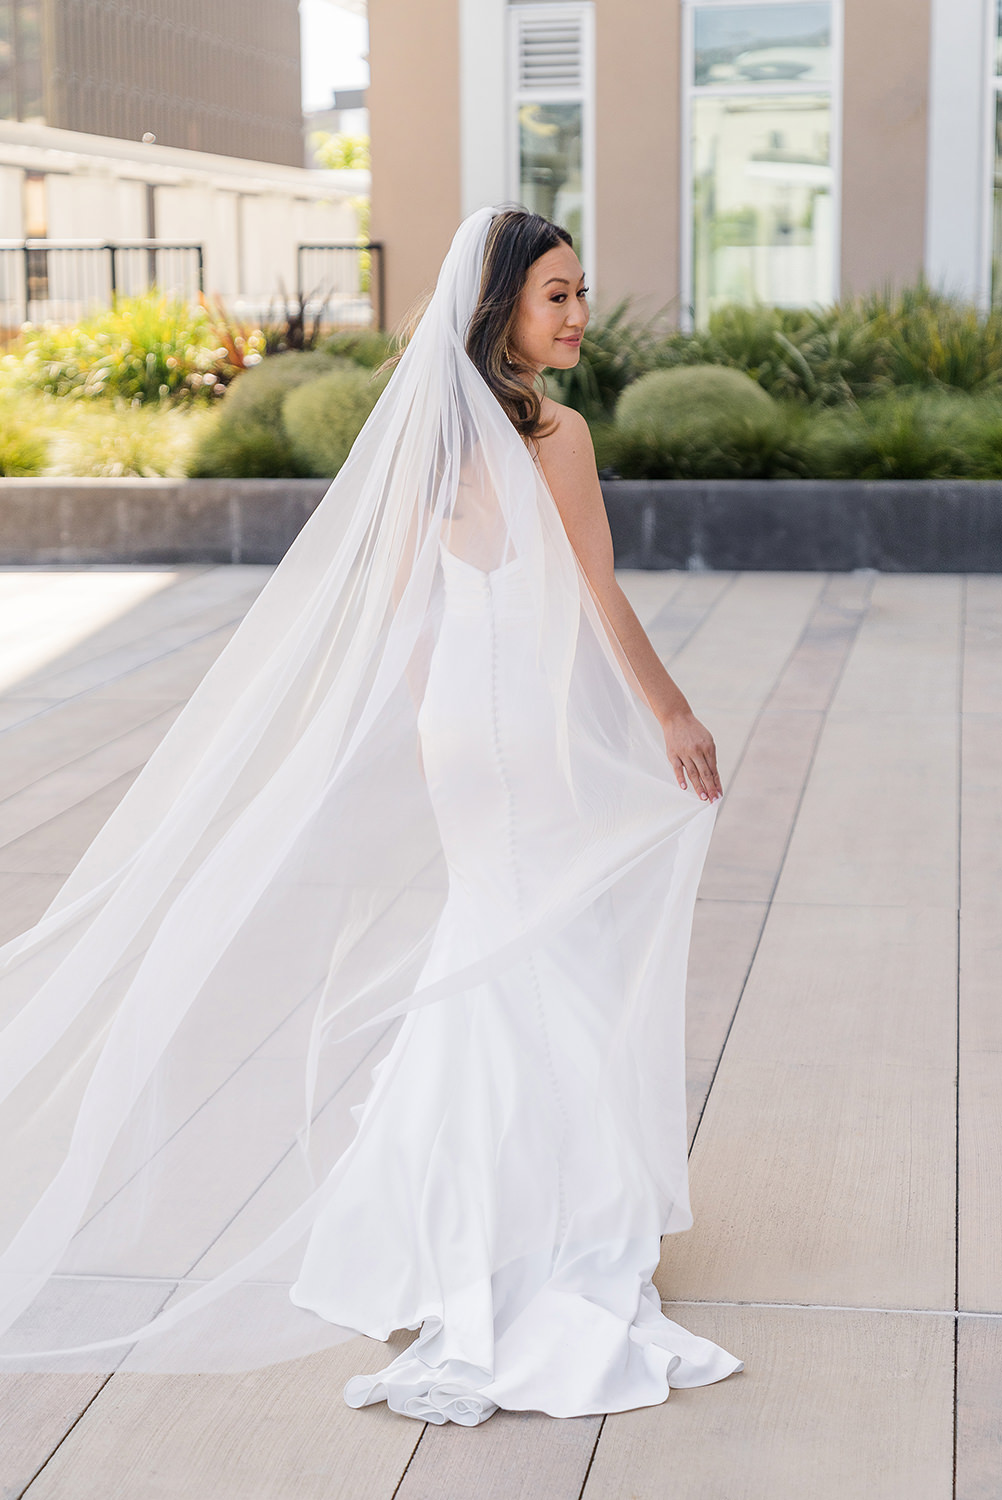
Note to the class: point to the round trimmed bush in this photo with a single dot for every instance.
(249, 440)
(256, 396)
(323, 419)
(703, 422)
(247, 450)
(711, 394)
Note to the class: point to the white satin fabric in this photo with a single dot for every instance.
(365, 1008)
(517, 1226)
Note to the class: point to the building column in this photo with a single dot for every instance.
(958, 213)
(484, 103)
(415, 128)
(884, 142)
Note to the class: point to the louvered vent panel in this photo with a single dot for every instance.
(549, 53)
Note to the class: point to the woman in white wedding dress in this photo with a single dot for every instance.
(426, 839)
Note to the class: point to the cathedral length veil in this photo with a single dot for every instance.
(192, 1027)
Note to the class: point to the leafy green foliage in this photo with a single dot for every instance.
(293, 415)
(366, 346)
(242, 451)
(323, 418)
(699, 394)
(910, 434)
(256, 398)
(145, 349)
(23, 450)
(702, 421)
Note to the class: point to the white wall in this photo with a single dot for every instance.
(11, 203)
(248, 217)
(958, 224)
(484, 103)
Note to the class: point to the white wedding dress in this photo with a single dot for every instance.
(491, 1195)
(416, 823)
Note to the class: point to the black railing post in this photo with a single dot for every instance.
(201, 269)
(114, 272)
(381, 299)
(27, 283)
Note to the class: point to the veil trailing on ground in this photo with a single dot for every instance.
(191, 1027)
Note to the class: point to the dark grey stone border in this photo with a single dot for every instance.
(153, 520)
(923, 526)
(896, 526)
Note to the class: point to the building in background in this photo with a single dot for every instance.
(700, 151)
(171, 122)
(221, 77)
(247, 218)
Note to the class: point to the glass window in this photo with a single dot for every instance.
(29, 59)
(551, 146)
(762, 214)
(996, 270)
(997, 208)
(21, 60)
(8, 99)
(762, 201)
(551, 163)
(739, 44)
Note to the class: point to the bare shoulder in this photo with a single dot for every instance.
(566, 449)
(567, 459)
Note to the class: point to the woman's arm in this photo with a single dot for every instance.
(567, 458)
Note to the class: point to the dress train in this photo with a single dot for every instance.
(494, 1195)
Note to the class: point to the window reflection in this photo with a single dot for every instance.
(28, 15)
(8, 106)
(737, 44)
(551, 163)
(763, 226)
(21, 87)
(997, 209)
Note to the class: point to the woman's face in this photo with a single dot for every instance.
(552, 311)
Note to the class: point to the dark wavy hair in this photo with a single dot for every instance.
(516, 238)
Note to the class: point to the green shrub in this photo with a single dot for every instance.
(365, 346)
(978, 428)
(100, 441)
(249, 441)
(704, 422)
(900, 435)
(144, 349)
(769, 446)
(696, 394)
(255, 398)
(930, 339)
(23, 449)
(323, 419)
(248, 450)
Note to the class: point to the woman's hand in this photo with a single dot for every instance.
(692, 752)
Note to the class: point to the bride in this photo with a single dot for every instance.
(364, 1010)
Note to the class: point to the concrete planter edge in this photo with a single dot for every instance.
(916, 526)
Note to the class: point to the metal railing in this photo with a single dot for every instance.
(62, 280)
(342, 284)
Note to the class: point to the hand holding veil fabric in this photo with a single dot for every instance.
(371, 989)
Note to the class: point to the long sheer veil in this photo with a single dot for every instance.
(191, 1026)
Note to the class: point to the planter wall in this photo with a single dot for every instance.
(152, 520)
(896, 526)
(924, 526)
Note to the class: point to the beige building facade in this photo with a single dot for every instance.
(700, 151)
